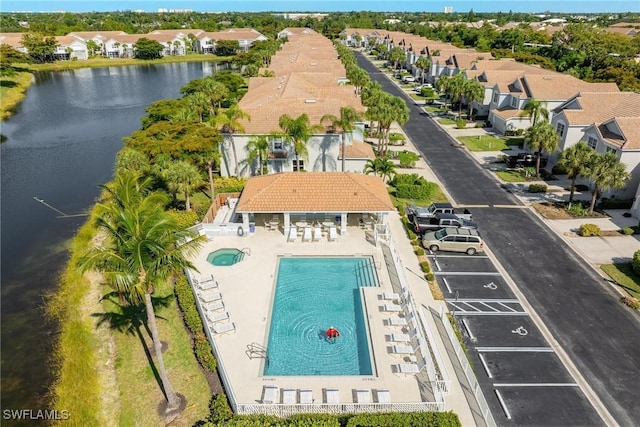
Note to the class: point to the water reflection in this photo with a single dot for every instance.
(61, 145)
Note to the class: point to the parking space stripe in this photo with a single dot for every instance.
(507, 307)
(465, 273)
(435, 261)
(535, 385)
(488, 306)
(490, 313)
(484, 365)
(466, 325)
(514, 349)
(444, 280)
(469, 305)
(431, 254)
(504, 406)
(498, 300)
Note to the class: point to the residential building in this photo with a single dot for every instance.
(206, 41)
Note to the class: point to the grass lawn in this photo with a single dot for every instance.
(624, 276)
(515, 141)
(446, 121)
(106, 62)
(435, 109)
(483, 143)
(139, 390)
(12, 89)
(511, 176)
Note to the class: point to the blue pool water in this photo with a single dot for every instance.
(312, 294)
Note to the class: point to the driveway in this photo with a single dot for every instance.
(583, 315)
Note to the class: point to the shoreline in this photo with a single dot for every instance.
(13, 96)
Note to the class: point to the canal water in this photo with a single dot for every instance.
(61, 146)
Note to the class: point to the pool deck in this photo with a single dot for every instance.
(247, 290)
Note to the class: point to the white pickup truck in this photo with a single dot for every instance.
(434, 208)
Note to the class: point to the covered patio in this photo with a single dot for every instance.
(320, 200)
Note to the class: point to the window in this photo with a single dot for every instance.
(277, 144)
(298, 166)
(495, 98)
(612, 150)
(514, 102)
(462, 239)
(449, 239)
(560, 129)
(592, 142)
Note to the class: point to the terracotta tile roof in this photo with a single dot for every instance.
(128, 38)
(295, 31)
(11, 39)
(358, 150)
(506, 112)
(315, 192)
(234, 34)
(182, 31)
(465, 59)
(86, 35)
(558, 86)
(490, 78)
(630, 127)
(161, 38)
(600, 106)
(67, 40)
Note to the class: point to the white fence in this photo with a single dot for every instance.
(286, 410)
(466, 368)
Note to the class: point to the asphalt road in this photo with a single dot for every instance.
(579, 309)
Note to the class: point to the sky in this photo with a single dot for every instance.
(570, 6)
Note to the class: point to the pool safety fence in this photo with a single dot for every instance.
(287, 410)
(487, 416)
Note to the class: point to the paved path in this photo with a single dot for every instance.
(580, 311)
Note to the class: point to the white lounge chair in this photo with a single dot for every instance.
(404, 337)
(221, 328)
(363, 396)
(410, 368)
(317, 233)
(203, 279)
(213, 305)
(210, 296)
(288, 396)
(392, 308)
(400, 321)
(383, 396)
(333, 234)
(269, 394)
(305, 396)
(217, 317)
(293, 234)
(405, 349)
(306, 236)
(211, 284)
(332, 396)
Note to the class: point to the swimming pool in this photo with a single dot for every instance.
(312, 294)
(225, 257)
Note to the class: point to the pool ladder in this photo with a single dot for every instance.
(256, 351)
(246, 251)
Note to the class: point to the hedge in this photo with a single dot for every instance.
(537, 188)
(187, 303)
(425, 266)
(408, 178)
(606, 203)
(408, 159)
(635, 263)
(416, 192)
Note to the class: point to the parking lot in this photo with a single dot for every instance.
(522, 378)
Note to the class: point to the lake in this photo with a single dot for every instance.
(61, 146)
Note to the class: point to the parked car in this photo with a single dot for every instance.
(420, 87)
(434, 208)
(524, 160)
(440, 220)
(455, 240)
(408, 79)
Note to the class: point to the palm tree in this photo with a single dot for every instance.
(473, 91)
(346, 123)
(542, 137)
(537, 110)
(387, 110)
(199, 103)
(132, 160)
(424, 63)
(298, 131)
(215, 93)
(358, 77)
(258, 148)
(144, 247)
(382, 167)
(396, 55)
(182, 176)
(229, 122)
(606, 172)
(575, 160)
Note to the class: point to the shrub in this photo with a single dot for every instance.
(520, 132)
(607, 203)
(537, 188)
(411, 235)
(407, 178)
(396, 137)
(635, 263)
(587, 230)
(461, 123)
(627, 231)
(408, 159)
(220, 410)
(425, 266)
(418, 192)
(631, 302)
(429, 276)
(479, 125)
(184, 218)
(558, 170)
(577, 209)
(418, 251)
(229, 185)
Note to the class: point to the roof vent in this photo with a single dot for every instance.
(313, 64)
(309, 101)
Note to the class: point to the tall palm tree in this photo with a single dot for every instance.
(397, 55)
(542, 137)
(258, 149)
(215, 92)
(382, 167)
(358, 77)
(424, 63)
(606, 172)
(575, 160)
(182, 176)
(144, 247)
(298, 131)
(473, 91)
(229, 122)
(537, 110)
(387, 110)
(349, 116)
(199, 103)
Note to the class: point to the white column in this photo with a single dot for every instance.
(287, 223)
(343, 224)
(245, 223)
